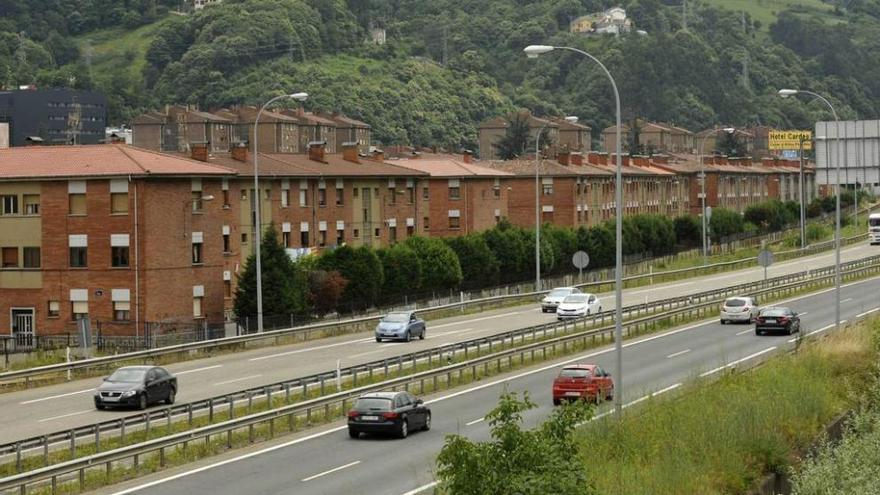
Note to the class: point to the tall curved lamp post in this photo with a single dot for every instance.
(729, 130)
(785, 93)
(258, 199)
(534, 51)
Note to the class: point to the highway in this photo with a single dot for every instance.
(329, 462)
(37, 411)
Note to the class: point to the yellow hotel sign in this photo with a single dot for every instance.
(790, 140)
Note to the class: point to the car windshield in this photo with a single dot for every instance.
(373, 404)
(396, 317)
(874, 222)
(128, 375)
(574, 373)
(559, 292)
(774, 312)
(735, 302)
(578, 298)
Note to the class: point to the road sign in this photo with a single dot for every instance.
(708, 213)
(790, 140)
(580, 260)
(765, 259)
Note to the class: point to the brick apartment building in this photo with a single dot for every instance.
(561, 134)
(113, 233)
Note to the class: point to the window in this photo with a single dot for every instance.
(548, 188)
(496, 190)
(378, 232)
(77, 204)
(410, 230)
(425, 193)
(78, 250)
(340, 237)
(392, 195)
(226, 198)
(243, 196)
(303, 197)
(322, 197)
(121, 310)
(244, 237)
(354, 192)
(392, 234)
(197, 253)
(79, 310)
(454, 222)
(285, 239)
(10, 205)
(54, 309)
(10, 257)
(285, 198)
(31, 257)
(454, 192)
(197, 307)
(119, 202)
(340, 196)
(426, 223)
(304, 239)
(120, 256)
(227, 288)
(31, 204)
(268, 194)
(357, 233)
(322, 238)
(226, 248)
(197, 201)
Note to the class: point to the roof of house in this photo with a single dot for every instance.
(450, 166)
(346, 121)
(98, 160)
(548, 168)
(300, 165)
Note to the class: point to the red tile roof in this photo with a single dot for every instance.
(98, 160)
(449, 166)
(299, 165)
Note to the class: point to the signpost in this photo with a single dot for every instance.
(790, 140)
(708, 227)
(765, 259)
(580, 260)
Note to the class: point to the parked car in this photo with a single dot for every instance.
(578, 306)
(137, 386)
(777, 319)
(395, 413)
(552, 300)
(582, 382)
(739, 309)
(400, 325)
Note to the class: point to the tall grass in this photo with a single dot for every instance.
(722, 437)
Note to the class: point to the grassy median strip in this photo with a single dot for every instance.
(722, 437)
(197, 450)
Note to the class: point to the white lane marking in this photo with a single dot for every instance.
(206, 368)
(679, 353)
(56, 396)
(238, 380)
(867, 312)
(422, 488)
(64, 416)
(848, 299)
(474, 422)
(329, 471)
(744, 332)
(476, 319)
(309, 349)
(803, 313)
(366, 353)
(734, 363)
(662, 287)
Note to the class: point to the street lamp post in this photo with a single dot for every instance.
(533, 51)
(785, 93)
(705, 235)
(258, 218)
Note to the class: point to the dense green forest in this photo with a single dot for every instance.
(448, 64)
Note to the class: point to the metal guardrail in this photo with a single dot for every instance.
(135, 452)
(40, 445)
(27, 374)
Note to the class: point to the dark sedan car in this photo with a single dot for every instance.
(777, 319)
(395, 413)
(136, 386)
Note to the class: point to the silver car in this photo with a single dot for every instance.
(742, 309)
(552, 300)
(400, 325)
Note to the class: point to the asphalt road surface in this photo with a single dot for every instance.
(37, 411)
(329, 462)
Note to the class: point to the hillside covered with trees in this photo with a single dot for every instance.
(448, 64)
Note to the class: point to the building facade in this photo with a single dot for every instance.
(54, 116)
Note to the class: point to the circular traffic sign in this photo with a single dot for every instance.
(580, 260)
(765, 258)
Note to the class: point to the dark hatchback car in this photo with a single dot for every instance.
(394, 413)
(777, 319)
(136, 386)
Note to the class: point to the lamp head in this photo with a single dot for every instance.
(572, 119)
(785, 93)
(532, 51)
(300, 96)
(729, 130)
(209, 197)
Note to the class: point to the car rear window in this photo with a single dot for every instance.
(559, 292)
(575, 298)
(373, 404)
(734, 302)
(774, 312)
(574, 373)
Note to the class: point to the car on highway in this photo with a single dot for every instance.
(552, 300)
(777, 319)
(136, 386)
(739, 309)
(578, 306)
(394, 413)
(582, 382)
(400, 325)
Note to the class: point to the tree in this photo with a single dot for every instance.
(510, 249)
(363, 270)
(325, 291)
(440, 267)
(284, 283)
(515, 140)
(598, 242)
(562, 243)
(403, 271)
(518, 460)
(730, 144)
(479, 268)
(687, 230)
(724, 223)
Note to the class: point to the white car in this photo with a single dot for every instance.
(555, 297)
(739, 309)
(578, 306)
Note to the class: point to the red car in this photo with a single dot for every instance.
(582, 381)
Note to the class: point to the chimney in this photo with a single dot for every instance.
(350, 152)
(602, 159)
(378, 155)
(661, 159)
(563, 158)
(640, 161)
(240, 152)
(199, 151)
(316, 151)
(576, 159)
(468, 156)
(593, 158)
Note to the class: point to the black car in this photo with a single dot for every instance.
(136, 386)
(777, 319)
(395, 413)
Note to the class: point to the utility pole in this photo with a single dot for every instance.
(684, 14)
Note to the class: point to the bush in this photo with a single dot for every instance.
(479, 268)
(402, 269)
(285, 284)
(724, 223)
(511, 250)
(325, 291)
(598, 242)
(363, 270)
(817, 232)
(440, 266)
(687, 230)
(563, 243)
